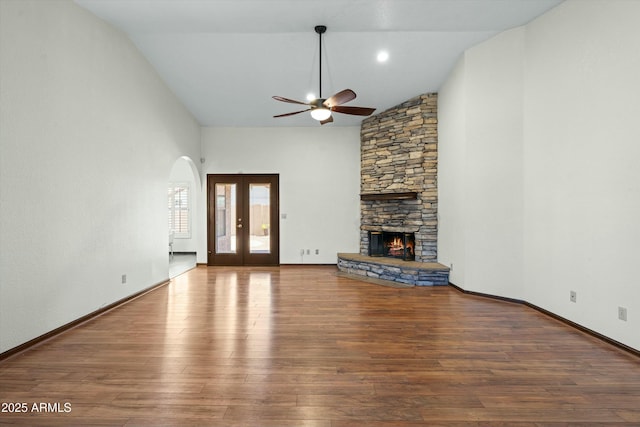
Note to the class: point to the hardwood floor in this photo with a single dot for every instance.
(299, 346)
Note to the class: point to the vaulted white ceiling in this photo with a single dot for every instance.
(225, 59)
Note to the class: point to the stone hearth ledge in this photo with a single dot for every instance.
(395, 270)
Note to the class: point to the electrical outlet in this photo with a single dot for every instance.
(573, 296)
(308, 252)
(301, 252)
(317, 251)
(622, 313)
(124, 279)
(451, 267)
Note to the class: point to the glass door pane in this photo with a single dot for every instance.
(225, 219)
(259, 218)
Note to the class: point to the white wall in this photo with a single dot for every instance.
(582, 181)
(558, 189)
(480, 179)
(88, 135)
(452, 154)
(319, 183)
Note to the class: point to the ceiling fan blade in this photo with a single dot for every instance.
(356, 111)
(291, 114)
(329, 120)
(340, 98)
(291, 101)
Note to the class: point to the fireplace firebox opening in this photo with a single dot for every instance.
(392, 244)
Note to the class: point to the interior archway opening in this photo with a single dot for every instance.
(183, 192)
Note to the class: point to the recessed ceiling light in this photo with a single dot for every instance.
(383, 55)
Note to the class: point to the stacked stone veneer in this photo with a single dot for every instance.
(399, 154)
(410, 273)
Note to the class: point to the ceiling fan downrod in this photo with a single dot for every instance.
(320, 29)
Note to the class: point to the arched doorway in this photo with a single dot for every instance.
(183, 194)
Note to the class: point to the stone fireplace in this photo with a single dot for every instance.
(399, 165)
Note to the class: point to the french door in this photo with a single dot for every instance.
(243, 224)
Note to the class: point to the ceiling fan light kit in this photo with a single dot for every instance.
(321, 108)
(320, 114)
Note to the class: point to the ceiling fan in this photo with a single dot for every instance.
(322, 108)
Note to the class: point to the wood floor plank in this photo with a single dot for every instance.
(301, 346)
